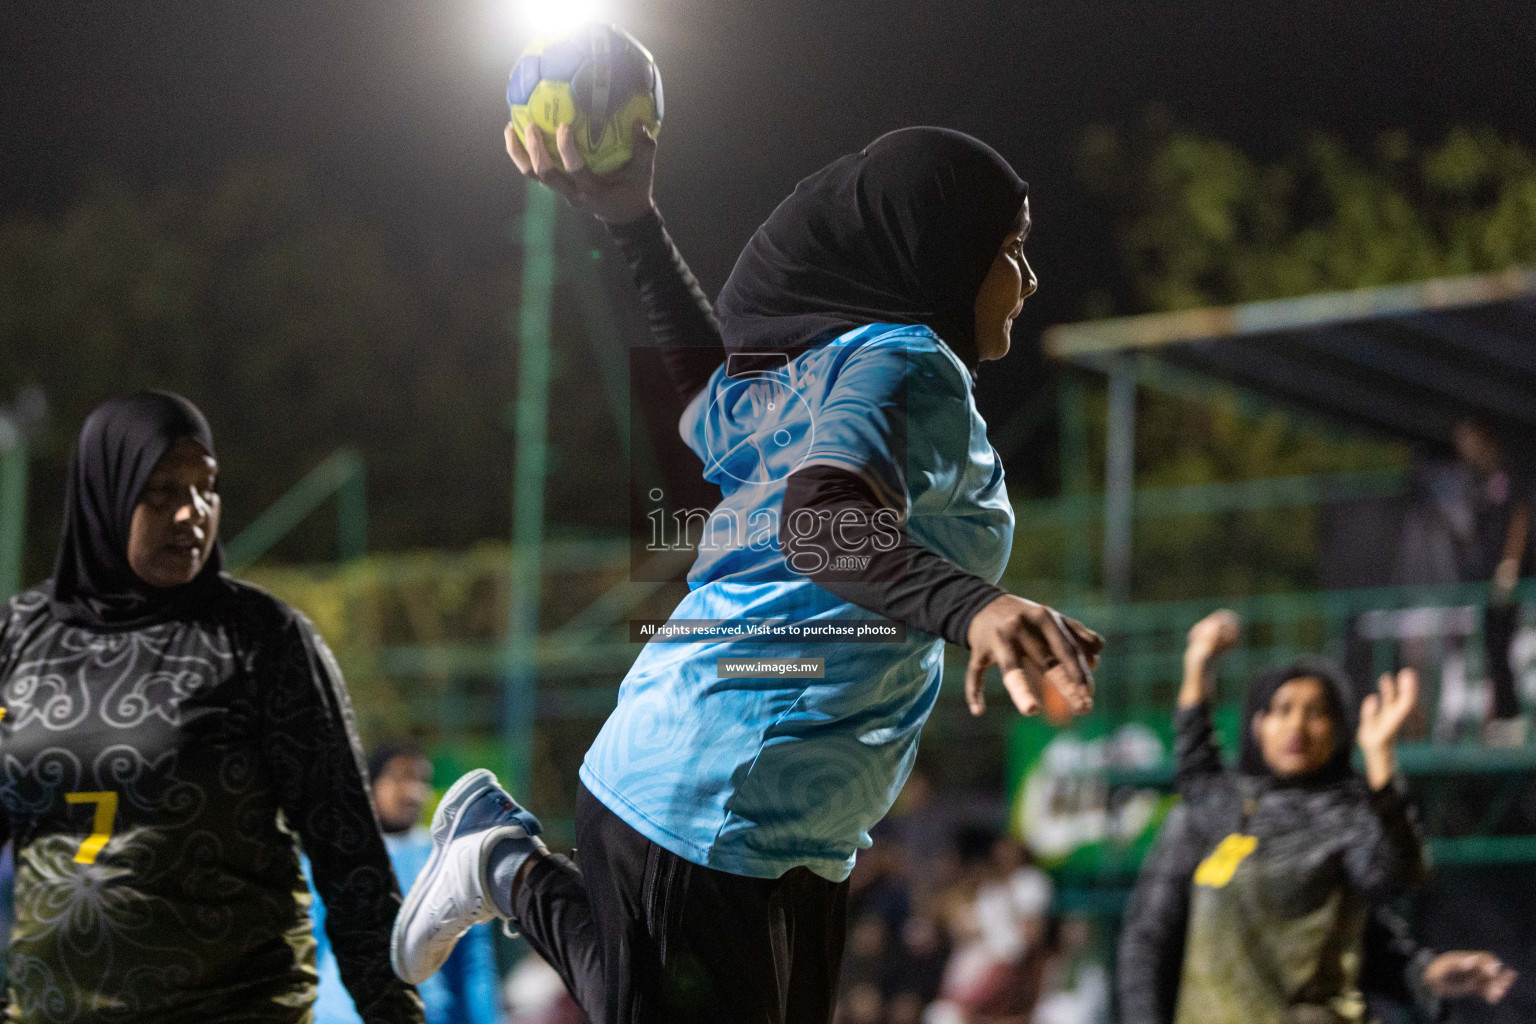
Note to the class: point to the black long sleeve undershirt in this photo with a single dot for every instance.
(1392, 964)
(830, 512)
(680, 316)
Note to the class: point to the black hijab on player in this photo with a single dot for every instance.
(903, 231)
(1341, 705)
(119, 446)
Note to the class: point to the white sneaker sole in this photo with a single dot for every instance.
(444, 821)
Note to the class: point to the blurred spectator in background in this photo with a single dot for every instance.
(1496, 551)
(920, 961)
(896, 953)
(1291, 851)
(923, 828)
(880, 885)
(466, 990)
(866, 961)
(537, 995)
(998, 915)
(1075, 985)
(1435, 523)
(1014, 902)
(971, 942)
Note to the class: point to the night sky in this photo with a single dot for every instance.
(398, 104)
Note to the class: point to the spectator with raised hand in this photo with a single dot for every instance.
(1253, 909)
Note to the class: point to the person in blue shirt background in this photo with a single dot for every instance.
(466, 989)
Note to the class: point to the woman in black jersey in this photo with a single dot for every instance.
(170, 736)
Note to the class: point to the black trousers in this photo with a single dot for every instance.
(640, 935)
(1500, 624)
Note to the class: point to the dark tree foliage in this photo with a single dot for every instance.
(1200, 223)
(297, 329)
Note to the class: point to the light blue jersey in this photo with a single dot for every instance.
(758, 776)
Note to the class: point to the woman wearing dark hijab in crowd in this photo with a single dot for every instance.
(170, 736)
(1262, 893)
(719, 817)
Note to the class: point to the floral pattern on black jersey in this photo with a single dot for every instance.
(219, 746)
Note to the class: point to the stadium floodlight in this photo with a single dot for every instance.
(554, 17)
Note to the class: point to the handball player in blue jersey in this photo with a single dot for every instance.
(718, 818)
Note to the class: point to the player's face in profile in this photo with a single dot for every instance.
(177, 517)
(401, 792)
(1008, 283)
(1296, 734)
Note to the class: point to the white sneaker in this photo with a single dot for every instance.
(452, 893)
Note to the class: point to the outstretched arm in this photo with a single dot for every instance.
(1463, 972)
(850, 497)
(1388, 856)
(908, 583)
(1394, 966)
(681, 318)
(1196, 754)
(827, 508)
(1382, 715)
(1209, 639)
(1507, 574)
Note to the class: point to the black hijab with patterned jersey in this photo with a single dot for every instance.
(903, 231)
(120, 444)
(167, 751)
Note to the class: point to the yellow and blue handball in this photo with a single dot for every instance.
(597, 79)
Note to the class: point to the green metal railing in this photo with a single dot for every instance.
(1468, 793)
(1081, 509)
(1140, 671)
(531, 422)
(341, 474)
(13, 515)
(1144, 659)
(20, 423)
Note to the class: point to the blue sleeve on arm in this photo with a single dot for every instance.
(895, 407)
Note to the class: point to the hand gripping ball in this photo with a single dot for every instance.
(597, 79)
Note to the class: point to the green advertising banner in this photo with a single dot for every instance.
(1076, 824)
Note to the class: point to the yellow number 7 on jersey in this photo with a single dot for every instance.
(106, 811)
